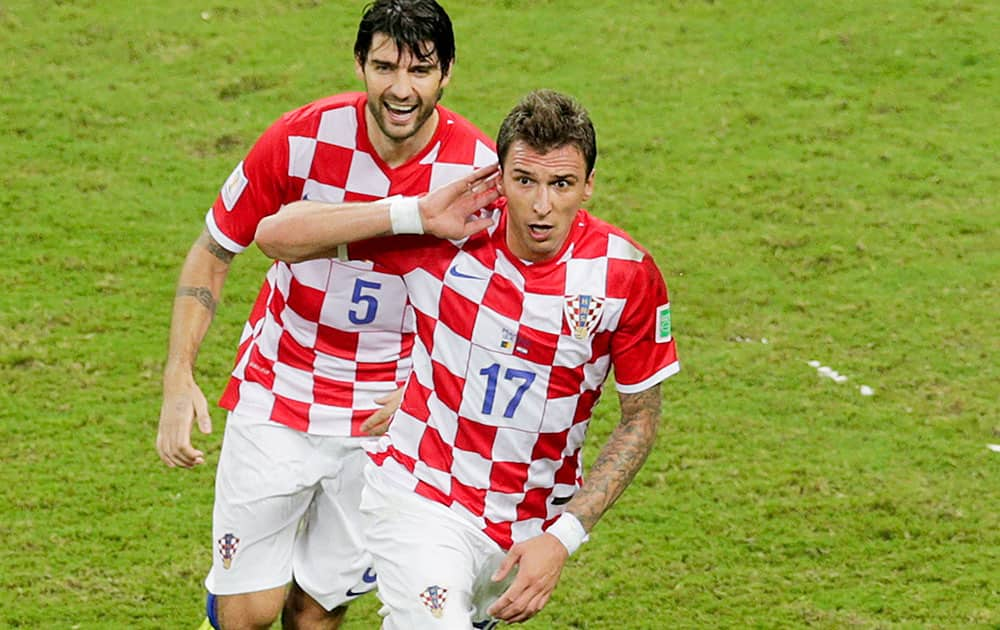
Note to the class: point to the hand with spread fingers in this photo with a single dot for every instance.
(450, 211)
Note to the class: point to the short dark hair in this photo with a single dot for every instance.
(547, 120)
(420, 26)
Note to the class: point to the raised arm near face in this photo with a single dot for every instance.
(306, 230)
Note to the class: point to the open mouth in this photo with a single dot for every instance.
(400, 112)
(539, 231)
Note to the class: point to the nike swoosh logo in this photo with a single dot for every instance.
(458, 274)
(368, 578)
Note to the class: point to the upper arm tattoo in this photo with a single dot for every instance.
(214, 248)
(204, 294)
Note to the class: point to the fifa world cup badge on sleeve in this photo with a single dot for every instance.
(663, 323)
(234, 187)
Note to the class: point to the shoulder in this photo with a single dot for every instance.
(599, 237)
(306, 119)
(458, 127)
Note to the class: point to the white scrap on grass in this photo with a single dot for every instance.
(994, 447)
(837, 377)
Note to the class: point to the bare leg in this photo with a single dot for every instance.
(302, 612)
(250, 611)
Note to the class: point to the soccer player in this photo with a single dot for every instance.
(476, 493)
(327, 341)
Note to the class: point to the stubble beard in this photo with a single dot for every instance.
(393, 134)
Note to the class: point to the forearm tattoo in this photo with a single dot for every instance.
(621, 457)
(202, 294)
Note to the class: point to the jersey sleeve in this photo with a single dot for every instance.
(643, 351)
(256, 188)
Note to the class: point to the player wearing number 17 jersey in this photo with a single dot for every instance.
(517, 329)
(509, 360)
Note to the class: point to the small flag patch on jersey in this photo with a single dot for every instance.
(234, 187)
(507, 338)
(582, 313)
(227, 549)
(663, 323)
(434, 598)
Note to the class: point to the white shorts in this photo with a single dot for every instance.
(286, 504)
(434, 568)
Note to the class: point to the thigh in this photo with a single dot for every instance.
(261, 493)
(426, 561)
(331, 563)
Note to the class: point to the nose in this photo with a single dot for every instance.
(543, 201)
(401, 87)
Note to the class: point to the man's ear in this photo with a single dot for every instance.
(359, 69)
(588, 186)
(500, 182)
(446, 76)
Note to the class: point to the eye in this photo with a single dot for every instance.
(524, 181)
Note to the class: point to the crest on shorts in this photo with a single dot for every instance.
(434, 598)
(582, 313)
(227, 549)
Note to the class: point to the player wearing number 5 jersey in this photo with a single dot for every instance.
(517, 329)
(326, 340)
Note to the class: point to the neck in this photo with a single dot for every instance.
(397, 152)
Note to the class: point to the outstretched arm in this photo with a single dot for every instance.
(198, 291)
(540, 559)
(305, 230)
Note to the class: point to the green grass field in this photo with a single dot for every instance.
(822, 176)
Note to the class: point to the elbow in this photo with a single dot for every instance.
(272, 241)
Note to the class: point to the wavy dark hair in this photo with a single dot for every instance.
(419, 26)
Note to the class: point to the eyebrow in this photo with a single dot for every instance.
(568, 176)
(416, 63)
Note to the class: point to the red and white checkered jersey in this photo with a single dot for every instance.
(325, 337)
(509, 362)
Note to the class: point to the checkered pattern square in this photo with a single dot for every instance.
(326, 337)
(497, 408)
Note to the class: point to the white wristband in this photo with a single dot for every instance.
(404, 214)
(569, 531)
